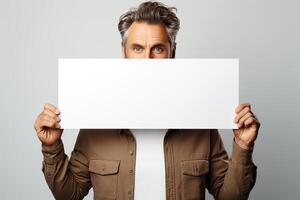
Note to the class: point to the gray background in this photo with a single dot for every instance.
(263, 34)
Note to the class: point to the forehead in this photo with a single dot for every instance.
(143, 32)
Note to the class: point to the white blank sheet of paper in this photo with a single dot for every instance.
(148, 93)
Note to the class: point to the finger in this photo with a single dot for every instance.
(50, 119)
(42, 121)
(51, 114)
(255, 122)
(242, 106)
(249, 121)
(244, 118)
(241, 114)
(46, 123)
(52, 108)
(50, 124)
(53, 122)
(37, 123)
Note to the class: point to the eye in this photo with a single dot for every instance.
(158, 50)
(137, 49)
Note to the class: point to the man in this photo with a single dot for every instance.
(105, 158)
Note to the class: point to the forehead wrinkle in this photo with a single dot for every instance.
(149, 37)
(147, 29)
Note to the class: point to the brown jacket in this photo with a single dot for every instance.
(104, 159)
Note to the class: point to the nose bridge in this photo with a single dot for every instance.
(148, 52)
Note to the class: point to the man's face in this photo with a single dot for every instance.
(146, 40)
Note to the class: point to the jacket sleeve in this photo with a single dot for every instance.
(230, 178)
(66, 179)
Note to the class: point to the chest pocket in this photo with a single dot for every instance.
(104, 177)
(194, 174)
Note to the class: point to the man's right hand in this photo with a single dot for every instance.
(47, 125)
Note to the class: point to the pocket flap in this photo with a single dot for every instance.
(194, 167)
(104, 167)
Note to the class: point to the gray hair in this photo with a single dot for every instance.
(151, 12)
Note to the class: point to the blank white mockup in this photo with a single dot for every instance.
(148, 93)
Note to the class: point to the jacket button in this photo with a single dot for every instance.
(131, 152)
(130, 171)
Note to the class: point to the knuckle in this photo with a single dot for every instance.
(48, 112)
(247, 109)
(41, 116)
(52, 124)
(47, 124)
(45, 117)
(43, 123)
(45, 111)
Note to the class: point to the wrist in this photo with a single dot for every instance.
(243, 145)
(49, 145)
(53, 153)
(241, 155)
(46, 147)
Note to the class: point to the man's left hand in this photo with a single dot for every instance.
(248, 126)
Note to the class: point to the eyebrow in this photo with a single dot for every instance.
(154, 45)
(159, 45)
(136, 44)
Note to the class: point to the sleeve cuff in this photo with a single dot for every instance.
(53, 153)
(240, 155)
